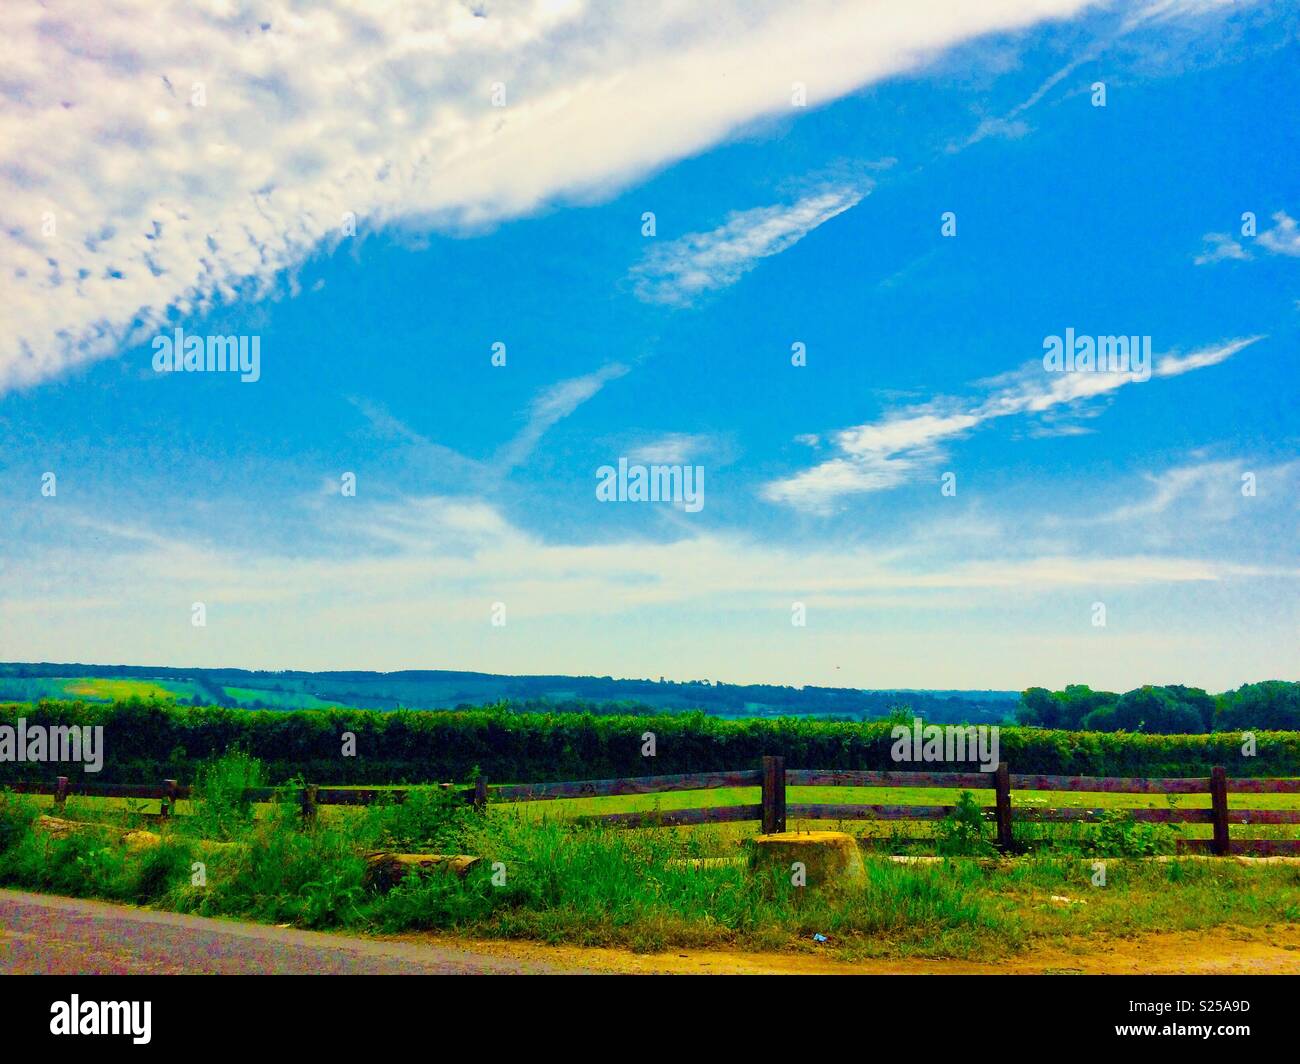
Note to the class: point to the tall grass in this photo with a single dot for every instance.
(556, 881)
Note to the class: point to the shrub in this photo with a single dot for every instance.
(17, 811)
(432, 820)
(964, 832)
(220, 808)
(1119, 835)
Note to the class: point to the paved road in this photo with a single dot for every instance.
(40, 934)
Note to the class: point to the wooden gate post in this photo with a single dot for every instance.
(308, 798)
(773, 795)
(168, 806)
(1219, 810)
(1002, 786)
(60, 794)
(480, 799)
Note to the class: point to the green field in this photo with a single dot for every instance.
(91, 688)
(275, 699)
(569, 808)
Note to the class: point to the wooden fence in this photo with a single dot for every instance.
(773, 812)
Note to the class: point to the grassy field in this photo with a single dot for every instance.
(97, 689)
(248, 696)
(568, 808)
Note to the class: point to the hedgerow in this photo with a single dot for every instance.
(146, 741)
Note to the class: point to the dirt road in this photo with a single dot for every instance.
(43, 934)
(1224, 951)
(65, 936)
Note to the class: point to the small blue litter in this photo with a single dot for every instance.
(819, 938)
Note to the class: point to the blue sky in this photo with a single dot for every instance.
(774, 225)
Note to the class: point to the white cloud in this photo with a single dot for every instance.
(673, 448)
(165, 208)
(1158, 10)
(409, 582)
(881, 455)
(1282, 239)
(1218, 247)
(451, 556)
(1173, 366)
(679, 271)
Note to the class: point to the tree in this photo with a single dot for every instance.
(1152, 709)
(1038, 708)
(1195, 699)
(1273, 705)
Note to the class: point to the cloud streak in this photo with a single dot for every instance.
(549, 407)
(881, 455)
(680, 271)
(552, 406)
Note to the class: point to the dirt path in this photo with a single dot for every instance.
(45, 934)
(1223, 951)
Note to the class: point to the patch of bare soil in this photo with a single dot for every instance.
(1222, 951)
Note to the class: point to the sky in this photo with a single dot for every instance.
(814, 254)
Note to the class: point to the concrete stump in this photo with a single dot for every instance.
(830, 858)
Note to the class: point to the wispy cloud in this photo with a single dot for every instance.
(397, 554)
(382, 580)
(883, 454)
(1218, 247)
(1213, 489)
(680, 271)
(1158, 10)
(550, 406)
(1012, 126)
(675, 448)
(553, 405)
(161, 159)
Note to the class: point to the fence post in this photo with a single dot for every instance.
(773, 795)
(1219, 810)
(1002, 786)
(61, 793)
(309, 803)
(168, 806)
(480, 794)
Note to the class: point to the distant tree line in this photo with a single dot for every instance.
(1171, 709)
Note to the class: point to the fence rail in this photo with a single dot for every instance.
(773, 812)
